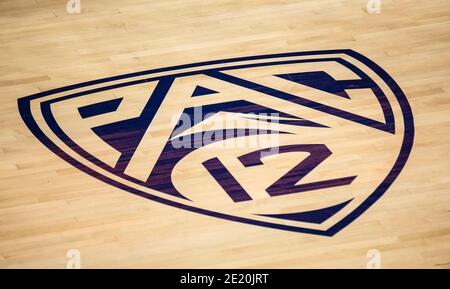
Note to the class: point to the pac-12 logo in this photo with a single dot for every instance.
(303, 141)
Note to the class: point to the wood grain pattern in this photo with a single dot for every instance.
(48, 207)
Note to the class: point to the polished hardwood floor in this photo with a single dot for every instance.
(48, 207)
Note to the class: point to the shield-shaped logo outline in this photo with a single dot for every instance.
(25, 110)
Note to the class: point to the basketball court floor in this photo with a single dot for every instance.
(224, 134)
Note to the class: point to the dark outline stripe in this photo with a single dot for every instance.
(408, 140)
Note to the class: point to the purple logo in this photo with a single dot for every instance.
(303, 141)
